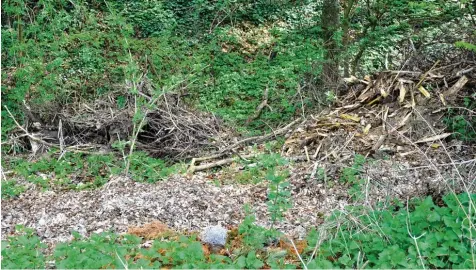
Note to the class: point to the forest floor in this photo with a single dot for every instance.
(191, 203)
(405, 153)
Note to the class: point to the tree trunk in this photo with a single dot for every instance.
(330, 25)
(348, 6)
(356, 61)
(345, 45)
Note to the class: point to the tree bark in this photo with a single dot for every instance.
(348, 6)
(345, 45)
(330, 25)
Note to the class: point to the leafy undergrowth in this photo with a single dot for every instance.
(77, 171)
(460, 120)
(412, 235)
(81, 171)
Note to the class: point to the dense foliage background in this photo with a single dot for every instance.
(221, 55)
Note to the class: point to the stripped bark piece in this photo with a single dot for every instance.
(456, 87)
(350, 117)
(379, 142)
(442, 98)
(367, 129)
(434, 138)
(374, 101)
(203, 167)
(413, 103)
(260, 107)
(424, 91)
(384, 117)
(366, 94)
(352, 79)
(402, 122)
(403, 92)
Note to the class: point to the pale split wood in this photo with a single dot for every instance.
(434, 138)
(379, 142)
(192, 169)
(401, 123)
(403, 92)
(456, 87)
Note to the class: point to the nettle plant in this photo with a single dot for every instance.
(279, 194)
(79, 171)
(351, 175)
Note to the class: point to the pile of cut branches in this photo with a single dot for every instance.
(390, 113)
(168, 127)
(174, 131)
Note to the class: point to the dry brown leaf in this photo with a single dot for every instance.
(153, 230)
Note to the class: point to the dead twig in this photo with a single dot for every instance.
(222, 162)
(262, 138)
(260, 107)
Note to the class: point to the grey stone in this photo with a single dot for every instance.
(215, 235)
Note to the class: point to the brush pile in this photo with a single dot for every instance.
(168, 128)
(402, 113)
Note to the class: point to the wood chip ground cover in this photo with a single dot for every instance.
(186, 204)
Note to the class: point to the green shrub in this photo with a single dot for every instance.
(89, 170)
(56, 52)
(149, 18)
(11, 189)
